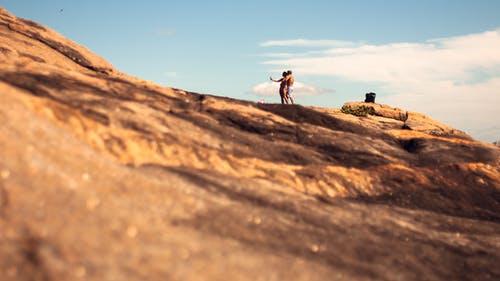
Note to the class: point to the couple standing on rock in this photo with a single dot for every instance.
(286, 87)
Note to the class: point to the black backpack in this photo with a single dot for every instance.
(370, 97)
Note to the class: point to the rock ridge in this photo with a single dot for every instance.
(105, 176)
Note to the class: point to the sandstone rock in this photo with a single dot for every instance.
(365, 108)
(30, 35)
(105, 176)
(412, 120)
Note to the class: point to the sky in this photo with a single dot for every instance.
(436, 57)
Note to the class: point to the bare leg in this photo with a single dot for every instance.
(283, 96)
(288, 95)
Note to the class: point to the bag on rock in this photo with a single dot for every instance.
(370, 97)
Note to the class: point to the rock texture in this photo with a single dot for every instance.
(109, 177)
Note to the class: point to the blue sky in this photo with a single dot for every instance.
(437, 57)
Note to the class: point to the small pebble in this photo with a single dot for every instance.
(314, 248)
(85, 177)
(132, 231)
(5, 174)
(80, 272)
(257, 220)
(330, 192)
(92, 203)
(185, 254)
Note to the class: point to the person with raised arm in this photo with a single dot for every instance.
(283, 87)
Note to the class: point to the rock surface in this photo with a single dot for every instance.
(109, 177)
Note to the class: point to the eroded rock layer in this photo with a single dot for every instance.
(105, 176)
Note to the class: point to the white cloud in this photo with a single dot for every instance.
(294, 54)
(456, 79)
(171, 74)
(299, 90)
(281, 55)
(306, 43)
(166, 32)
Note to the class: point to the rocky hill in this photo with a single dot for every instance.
(109, 177)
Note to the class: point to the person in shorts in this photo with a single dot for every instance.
(289, 85)
(283, 87)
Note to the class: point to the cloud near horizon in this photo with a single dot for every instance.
(307, 43)
(271, 89)
(170, 74)
(166, 32)
(456, 79)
